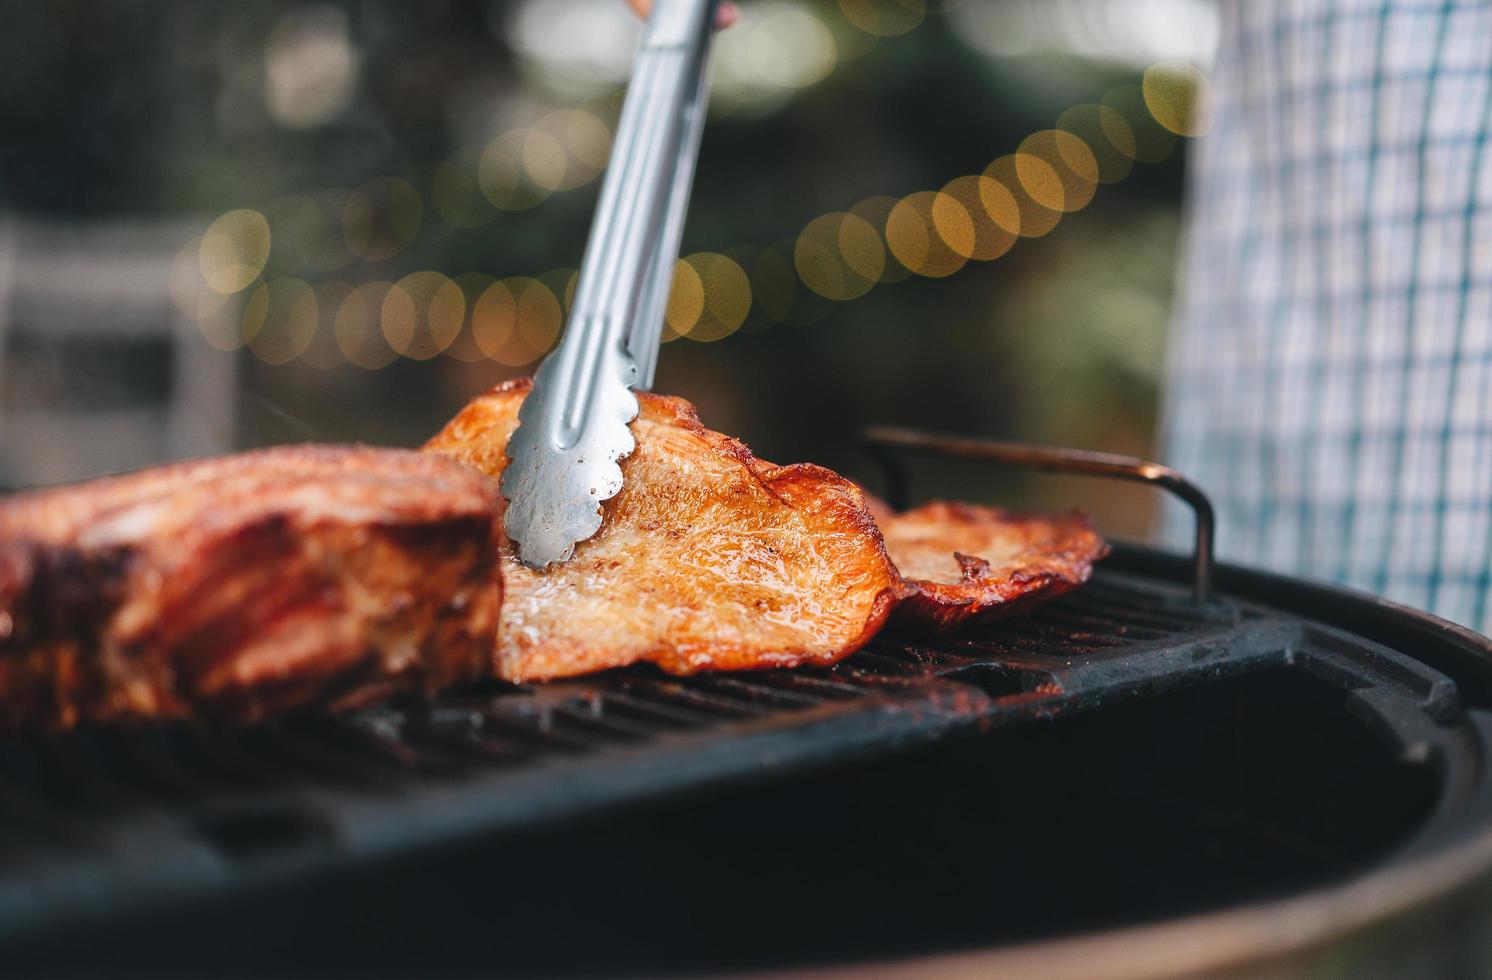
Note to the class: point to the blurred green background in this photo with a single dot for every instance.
(228, 226)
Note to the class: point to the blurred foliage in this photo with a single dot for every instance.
(132, 108)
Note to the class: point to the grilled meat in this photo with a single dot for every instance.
(707, 559)
(235, 587)
(965, 562)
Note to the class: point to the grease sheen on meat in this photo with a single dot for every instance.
(239, 586)
(707, 559)
(965, 562)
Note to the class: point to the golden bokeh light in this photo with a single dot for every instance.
(422, 314)
(233, 250)
(953, 224)
(493, 318)
(236, 283)
(727, 296)
(976, 217)
(1035, 217)
(1039, 179)
(912, 234)
(279, 320)
(839, 256)
(884, 18)
(516, 320)
(746, 256)
(322, 352)
(359, 330)
(216, 315)
(1152, 141)
(544, 159)
(583, 144)
(875, 211)
(561, 283)
(381, 218)
(473, 286)
(1107, 137)
(686, 301)
(503, 171)
(1179, 97)
(1057, 169)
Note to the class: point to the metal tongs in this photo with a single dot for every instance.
(572, 427)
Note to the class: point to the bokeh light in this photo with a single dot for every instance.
(1107, 136)
(779, 49)
(566, 149)
(839, 256)
(279, 319)
(976, 217)
(516, 320)
(875, 211)
(311, 66)
(686, 301)
(473, 286)
(216, 315)
(1036, 218)
(422, 314)
(322, 353)
(240, 282)
(727, 297)
(505, 172)
(1152, 141)
(884, 18)
(1179, 97)
(233, 250)
(1057, 169)
(359, 330)
(913, 237)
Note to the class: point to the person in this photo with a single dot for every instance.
(1330, 371)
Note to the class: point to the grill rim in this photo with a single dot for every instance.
(1272, 932)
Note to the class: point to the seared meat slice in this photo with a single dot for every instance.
(235, 587)
(965, 562)
(707, 559)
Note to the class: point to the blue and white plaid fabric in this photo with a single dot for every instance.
(1330, 376)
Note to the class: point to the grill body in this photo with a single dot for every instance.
(1122, 760)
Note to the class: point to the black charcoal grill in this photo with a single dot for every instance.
(1164, 770)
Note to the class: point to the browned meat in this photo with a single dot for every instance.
(965, 562)
(707, 559)
(235, 587)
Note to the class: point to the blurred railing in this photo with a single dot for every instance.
(99, 370)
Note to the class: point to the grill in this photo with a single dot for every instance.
(1259, 736)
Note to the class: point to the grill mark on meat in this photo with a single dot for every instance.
(708, 558)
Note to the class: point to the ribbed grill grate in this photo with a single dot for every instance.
(206, 806)
(95, 776)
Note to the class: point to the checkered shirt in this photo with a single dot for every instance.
(1330, 373)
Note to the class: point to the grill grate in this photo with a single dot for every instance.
(212, 808)
(93, 777)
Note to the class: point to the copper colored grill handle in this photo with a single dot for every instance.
(887, 443)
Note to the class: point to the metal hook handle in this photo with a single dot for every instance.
(885, 442)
